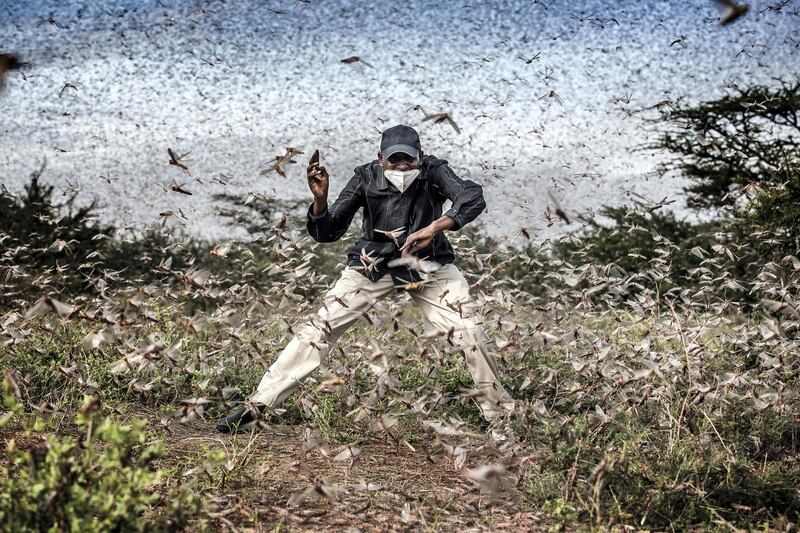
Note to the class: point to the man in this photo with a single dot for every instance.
(403, 247)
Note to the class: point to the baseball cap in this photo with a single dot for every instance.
(400, 138)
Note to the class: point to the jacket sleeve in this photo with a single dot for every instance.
(466, 195)
(333, 223)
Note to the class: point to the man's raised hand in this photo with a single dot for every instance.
(317, 177)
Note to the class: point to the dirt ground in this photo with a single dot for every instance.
(389, 487)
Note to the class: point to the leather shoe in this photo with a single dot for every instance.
(242, 419)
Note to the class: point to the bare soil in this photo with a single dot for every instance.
(408, 490)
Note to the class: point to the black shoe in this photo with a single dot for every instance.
(241, 420)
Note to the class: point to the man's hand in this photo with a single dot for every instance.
(317, 178)
(419, 239)
(422, 238)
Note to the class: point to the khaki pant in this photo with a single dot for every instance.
(356, 294)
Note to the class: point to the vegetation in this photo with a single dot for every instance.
(742, 152)
(103, 481)
(654, 363)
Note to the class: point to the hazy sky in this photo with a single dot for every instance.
(541, 91)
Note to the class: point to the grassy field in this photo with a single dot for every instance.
(641, 403)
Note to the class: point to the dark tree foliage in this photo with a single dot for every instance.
(632, 240)
(48, 241)
(773, 213)
(51, 247)
(734, 145)
(255, 213)
(741, 153)
(271, 220)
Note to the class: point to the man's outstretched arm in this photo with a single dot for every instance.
(466, 196)
(468, 203)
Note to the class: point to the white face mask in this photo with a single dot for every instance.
(401, 179)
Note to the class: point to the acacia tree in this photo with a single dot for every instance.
(742, 153)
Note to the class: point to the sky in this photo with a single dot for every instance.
(547, 95)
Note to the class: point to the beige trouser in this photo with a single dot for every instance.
(356, 295)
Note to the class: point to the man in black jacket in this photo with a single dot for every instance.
(402, 193)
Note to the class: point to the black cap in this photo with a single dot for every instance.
(400, 138)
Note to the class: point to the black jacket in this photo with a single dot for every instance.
(386, 208)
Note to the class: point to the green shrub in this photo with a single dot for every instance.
(103, 482)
